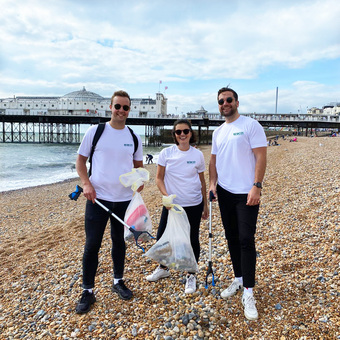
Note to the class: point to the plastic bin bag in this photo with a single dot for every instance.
(137, 215)
(173, 249)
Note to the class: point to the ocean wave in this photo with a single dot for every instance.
(69, 165)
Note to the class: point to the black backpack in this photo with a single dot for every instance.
(96, 137)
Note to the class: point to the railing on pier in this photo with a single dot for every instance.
(137, 115)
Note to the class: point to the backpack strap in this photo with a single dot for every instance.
(135, 140)
(99, 131)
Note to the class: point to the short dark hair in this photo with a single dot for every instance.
(225, 89)
(120, 93)
(187, 122)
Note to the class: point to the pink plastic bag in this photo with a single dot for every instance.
(137, 216)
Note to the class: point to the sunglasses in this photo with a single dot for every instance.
(185, 131)
(228, 100)
(125, 107)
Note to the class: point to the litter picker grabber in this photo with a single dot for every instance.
(210, 269)
(136, 233)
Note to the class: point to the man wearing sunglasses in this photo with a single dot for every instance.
(236, 171)
(114, 155)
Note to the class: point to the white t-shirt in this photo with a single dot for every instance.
(181, 174)
(113, 156)
(232, 144)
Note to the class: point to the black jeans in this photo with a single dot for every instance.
(96, 219)
(239, 221)
(194, 214)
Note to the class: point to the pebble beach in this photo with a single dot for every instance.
(298, 263)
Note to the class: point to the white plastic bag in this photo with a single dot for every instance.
(137, 216)
(135, 178)
(174, 249)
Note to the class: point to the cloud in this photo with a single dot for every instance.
(190, 47)
(63, 44)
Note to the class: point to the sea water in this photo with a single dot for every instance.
(25, 165)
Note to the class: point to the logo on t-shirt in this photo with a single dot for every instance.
(191, 162)
(128, 145)
(238, 133)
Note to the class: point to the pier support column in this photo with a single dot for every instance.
(42, 132)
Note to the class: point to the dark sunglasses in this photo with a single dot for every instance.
(125, 107)
(185, 131)
(228, 100)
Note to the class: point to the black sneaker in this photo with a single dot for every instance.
(86, 300)
(122, 291)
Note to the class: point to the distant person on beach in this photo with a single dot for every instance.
(114, 155)
(180, 172)
(236, 171)
(149, 158)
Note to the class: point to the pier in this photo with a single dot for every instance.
(58, 119)
(50, 127)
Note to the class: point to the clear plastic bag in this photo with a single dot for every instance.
(137, 216)
(174, 249)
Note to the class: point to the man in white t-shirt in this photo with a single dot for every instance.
(114, 155)
(236, 171)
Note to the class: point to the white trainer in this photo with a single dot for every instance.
(232, 289)
(250, 311)
(190, 285)
(158, 273)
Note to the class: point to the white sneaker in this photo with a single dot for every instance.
(158, 273)
(190, 285)
(232, 289)
(250, 311)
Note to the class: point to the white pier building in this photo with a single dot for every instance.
(81, 103)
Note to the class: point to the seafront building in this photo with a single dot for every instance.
(80, 103)
(330, 109)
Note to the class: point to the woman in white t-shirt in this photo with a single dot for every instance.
(180, 172)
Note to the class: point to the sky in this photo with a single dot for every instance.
(185, 49)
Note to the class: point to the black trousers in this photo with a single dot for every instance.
(96, 219)
(194, 214)
(239, 221)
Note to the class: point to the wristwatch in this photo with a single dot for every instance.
(258, 185)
